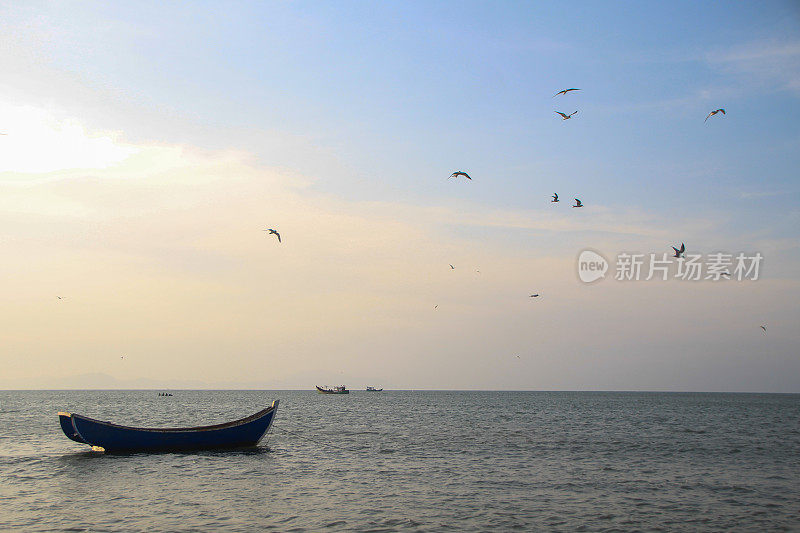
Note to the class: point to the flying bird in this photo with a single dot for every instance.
(458, 173)
(577, 203)
(59, 297)
(764, 328)
(565, 117)
(555, 197)
(534, 295)
(714, 113)
(452, 267)
(273, 232)
(565, 91)
(436, 306)
(679, 253)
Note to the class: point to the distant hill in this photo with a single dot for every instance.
(105, 381)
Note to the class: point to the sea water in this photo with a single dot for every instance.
(412, 461)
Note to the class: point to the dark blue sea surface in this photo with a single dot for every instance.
(413, 461)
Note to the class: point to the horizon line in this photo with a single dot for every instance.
(653, 391)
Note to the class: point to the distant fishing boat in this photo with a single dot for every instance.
(373, 389)
(339, 389)
(113, 438)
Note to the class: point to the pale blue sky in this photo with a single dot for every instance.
(380, 102)
(403, 92)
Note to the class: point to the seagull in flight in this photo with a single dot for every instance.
(565, 91)
(273, 232)
(679, 253)
(452, 267)
(565, 117)
(764, 328)
(577, 203)
(534, 295)
(555, 197)
(458, 173)
(714, 113)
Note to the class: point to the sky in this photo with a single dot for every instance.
(148, 145)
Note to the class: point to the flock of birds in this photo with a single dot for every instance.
(679, 252)
(578, 203)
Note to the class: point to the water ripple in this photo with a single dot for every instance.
(465, 461)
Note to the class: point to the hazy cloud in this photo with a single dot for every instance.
(769, 65)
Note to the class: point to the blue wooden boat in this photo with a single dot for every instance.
(114, 438)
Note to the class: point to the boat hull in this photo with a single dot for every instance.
(331, 391)
(114, 438)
